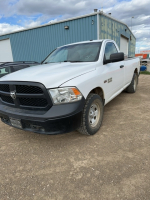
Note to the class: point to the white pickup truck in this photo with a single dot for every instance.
(69, 90)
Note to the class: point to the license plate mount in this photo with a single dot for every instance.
(16, 123)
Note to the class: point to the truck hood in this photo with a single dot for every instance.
(52, 74)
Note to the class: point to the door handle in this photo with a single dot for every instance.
(121, 66)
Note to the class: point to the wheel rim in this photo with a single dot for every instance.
(135, 82)
(94, 114)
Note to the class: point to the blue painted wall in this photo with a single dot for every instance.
(36, 44)
(111, 29)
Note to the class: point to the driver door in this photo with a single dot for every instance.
(114, 72)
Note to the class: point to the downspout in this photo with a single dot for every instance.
(98, 31)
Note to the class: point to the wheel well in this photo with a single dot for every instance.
(100, 92)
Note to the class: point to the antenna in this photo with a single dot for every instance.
(102, 5)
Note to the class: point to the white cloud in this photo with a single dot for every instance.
(19, 21)
(126, 9)
(7, 28)
(52, 8)
(52, 21)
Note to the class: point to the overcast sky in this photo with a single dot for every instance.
(19, 14)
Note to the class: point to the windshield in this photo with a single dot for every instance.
(85, 52)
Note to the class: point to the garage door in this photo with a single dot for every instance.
(124, 45)
(5, 51)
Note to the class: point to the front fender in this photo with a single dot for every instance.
(86, 83)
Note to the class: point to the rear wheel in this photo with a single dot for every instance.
(92, 115)
(133, 85)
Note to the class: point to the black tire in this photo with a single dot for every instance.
(92, 115)
(133, 85)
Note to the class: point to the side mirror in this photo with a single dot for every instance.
(115, 57)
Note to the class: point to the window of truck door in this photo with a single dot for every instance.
(110, 48)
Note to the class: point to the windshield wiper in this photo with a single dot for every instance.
(65, 61)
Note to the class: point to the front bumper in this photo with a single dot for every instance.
(58, 119)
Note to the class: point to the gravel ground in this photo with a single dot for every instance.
(148, 66)
(114, 164)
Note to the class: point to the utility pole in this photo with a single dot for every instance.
(131, 22)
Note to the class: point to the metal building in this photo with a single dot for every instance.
(36, 43)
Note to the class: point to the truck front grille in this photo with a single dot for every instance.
(27, 95)
(28, 89)
(4, 88)
(7, 99)
(36, 102)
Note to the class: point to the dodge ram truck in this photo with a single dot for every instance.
(69, 90)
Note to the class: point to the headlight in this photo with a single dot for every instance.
(65, 95)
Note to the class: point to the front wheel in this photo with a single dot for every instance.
(92, 115)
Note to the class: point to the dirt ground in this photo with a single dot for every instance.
(114, 164)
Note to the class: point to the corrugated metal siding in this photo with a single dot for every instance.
(110, 29)
(36, 44)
